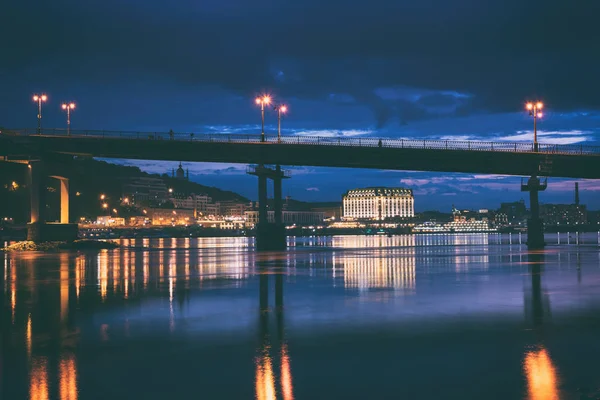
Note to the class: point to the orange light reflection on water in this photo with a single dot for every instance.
(38, 380)
(286, 375)
(68, 379)
(265, 382)
(64, 287)
(13, 290)
(28, 336)
(542, 379)
(103, 273)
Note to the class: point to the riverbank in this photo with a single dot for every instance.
(27, 245)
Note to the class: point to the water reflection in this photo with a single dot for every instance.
(540, 372)
(68, 378)
(272, 347)
(542, 381)
(38, 386)
(66, 308)
(395, 271)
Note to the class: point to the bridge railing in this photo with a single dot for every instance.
(428, 144)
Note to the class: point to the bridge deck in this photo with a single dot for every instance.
(576, 161)
(428, 144)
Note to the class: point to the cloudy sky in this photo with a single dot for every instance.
(459, 69)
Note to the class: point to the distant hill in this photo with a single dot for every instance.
(88, 179)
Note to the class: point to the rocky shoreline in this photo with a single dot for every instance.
(54, 246)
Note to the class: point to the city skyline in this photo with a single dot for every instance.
(462, 85)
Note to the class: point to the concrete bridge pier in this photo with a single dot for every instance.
(38, 230)
(269, 235)
(535, 226)
(36, 179)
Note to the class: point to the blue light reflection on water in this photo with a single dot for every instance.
(427, 316)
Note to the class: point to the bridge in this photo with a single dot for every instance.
(505, 158)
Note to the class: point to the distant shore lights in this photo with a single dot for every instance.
(535, 110)
(68, 107)
(262, 101)
(40, 98)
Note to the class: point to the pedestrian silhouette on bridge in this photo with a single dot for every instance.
(379, 143)
(171, 133)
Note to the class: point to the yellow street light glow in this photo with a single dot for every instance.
(104, 205)
(72, 105)
(258, 100)
(115, 210)
(44, 97)
(540, 115)
(102, 197)
(529, 106)
(35, 97)
(267, 100)
(64, 106)
(283, 109)
(539, 105)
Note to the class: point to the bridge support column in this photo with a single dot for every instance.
(535, 226)
(263, 217)
(37, 191)
(37, 229)
(277, 196)
(64, 200)
(269, 236)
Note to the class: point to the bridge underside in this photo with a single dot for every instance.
(409, 159)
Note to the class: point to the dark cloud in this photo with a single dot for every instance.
(501, 52)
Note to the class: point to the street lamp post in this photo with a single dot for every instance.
(40, 98)
(262, 101)
(68, 107)
(281, 109)
(535, 110)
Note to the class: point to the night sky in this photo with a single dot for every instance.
(459, 69)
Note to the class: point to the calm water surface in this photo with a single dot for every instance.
(405, 317)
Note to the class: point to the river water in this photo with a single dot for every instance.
(358, 317)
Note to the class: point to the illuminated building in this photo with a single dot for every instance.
(512, 213)
(378, 203)
(232, 208)
(563, 214)
(161, 216)
(110, 221)
(201, 204)
(145, 189)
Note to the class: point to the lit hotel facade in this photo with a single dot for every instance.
(378, 203)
